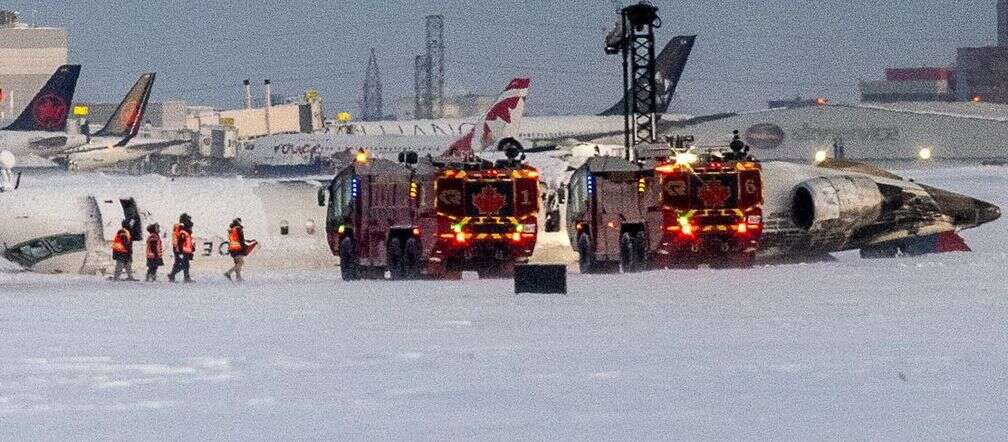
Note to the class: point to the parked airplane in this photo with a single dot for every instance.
(670, 64)
(498, 126)
(42, 124)
(115, 142)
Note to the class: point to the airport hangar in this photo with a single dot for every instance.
(883, 132)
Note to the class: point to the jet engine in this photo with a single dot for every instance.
(832, 208)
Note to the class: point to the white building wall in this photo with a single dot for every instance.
(28, 57)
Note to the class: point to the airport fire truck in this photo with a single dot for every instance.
(680, 211)
(432, 218)
(613, 214)
(712, 209)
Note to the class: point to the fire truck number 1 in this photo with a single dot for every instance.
(525, 198)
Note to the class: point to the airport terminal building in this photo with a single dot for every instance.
(28, 57)
(881, 132)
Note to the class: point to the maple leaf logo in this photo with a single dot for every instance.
(502, 109)
(714, 195)
(129, 114)
(462, 147)
(488, 201)
(50, 111)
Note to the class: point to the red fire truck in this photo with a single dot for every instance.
(712, 209)
(432, 218)
(679, 212)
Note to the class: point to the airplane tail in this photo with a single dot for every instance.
(49, 110)
(126, 120)
(501, 121)
(669, 66)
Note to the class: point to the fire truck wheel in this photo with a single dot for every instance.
(586, 261)
(394, 258)
(628, 253)
(349, 269)
(411, 258)
(641, 249)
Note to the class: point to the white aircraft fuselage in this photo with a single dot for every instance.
(69, 228)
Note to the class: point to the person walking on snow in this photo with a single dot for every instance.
(155, 251)
(238, 249)
(183, 247)
(122, 252)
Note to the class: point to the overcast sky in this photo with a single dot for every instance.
(747, 51)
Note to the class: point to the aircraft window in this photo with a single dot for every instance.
(284, 227)
(28, 253)
(67, 243)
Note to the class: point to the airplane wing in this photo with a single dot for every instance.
(854, 166)
(155, 145)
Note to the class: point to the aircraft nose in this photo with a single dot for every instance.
(987, 212)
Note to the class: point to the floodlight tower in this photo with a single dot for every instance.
(634, 38)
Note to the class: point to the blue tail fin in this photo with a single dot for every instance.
(669, 66)
(49, 109)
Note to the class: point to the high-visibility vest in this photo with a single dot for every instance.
(119, 244)
(175, 237)
(186, 242)
(155, 249)
(234, 240)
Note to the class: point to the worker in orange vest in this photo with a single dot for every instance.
(155, 251)
(237, 248)
(183, 247)
(122, 252)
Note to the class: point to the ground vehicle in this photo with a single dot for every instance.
(432, 218)
(677, 212)
(712, 210)
(614, 214)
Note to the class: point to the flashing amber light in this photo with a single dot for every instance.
(579, 227)
(460, 237)
(611, 224)
(977, 99)
(687, 230)
(516, 236)
(667, 168)
(341, 229)
(416, 231)
(742, 228)
(361, 157)
(821, 101)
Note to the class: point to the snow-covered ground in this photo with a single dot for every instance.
(904, 348)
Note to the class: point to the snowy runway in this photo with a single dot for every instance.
(902, 348)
